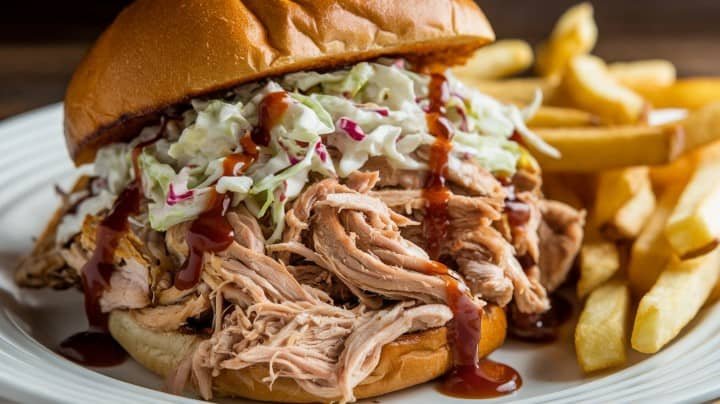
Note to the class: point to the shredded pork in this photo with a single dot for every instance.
(294, 329)
(348, 277)
(560, 235)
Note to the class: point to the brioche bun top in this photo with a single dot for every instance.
(160, 53)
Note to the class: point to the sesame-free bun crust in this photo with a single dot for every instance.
(159, 53)
(411, 359)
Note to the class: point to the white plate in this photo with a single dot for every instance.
(33, 159)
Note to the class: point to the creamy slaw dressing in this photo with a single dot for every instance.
(334, 123)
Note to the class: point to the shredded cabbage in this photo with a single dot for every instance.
(214, 134)
(113, 164)
(334, 123)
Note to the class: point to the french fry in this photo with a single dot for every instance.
(589, 86)
(708, 152)
(557, 117)
(677, 172)
(601, 332)
(607, 148)
(694, 225)
(632, 216)
(501, 59)
(681, 169)
(575, 33)
(692, 93)
(599, 261)
(673, 301)
(651, 252)
(614, 190)
(520, 91)
(702, 127)
(623, 203)
(644, 74)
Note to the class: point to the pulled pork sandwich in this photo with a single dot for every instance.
(291, 201)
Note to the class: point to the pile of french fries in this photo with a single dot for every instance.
(641, 154)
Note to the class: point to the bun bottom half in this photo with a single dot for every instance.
(410, 360)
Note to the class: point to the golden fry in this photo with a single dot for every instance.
(673, 301)
(644, 74)
(607, 148)
(677, 172)
(589, 86)
(651, 252)
(557, 117)
(692, 93)
(601, 332)
(575, 33)
(694, 225)
(520, 91)
(615, 188)
(599, 261)
(498, 60)
(630, 219)
(702, 127)
(624, 201)
(680, 170)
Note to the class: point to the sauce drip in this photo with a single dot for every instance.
(96, 347)
(435, 193)
(542, 327)
(271, 109)
(470, 376)
(515, 137)
(211, 232)
(99, 268)
(465, 329)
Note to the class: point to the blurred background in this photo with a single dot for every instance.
(42, 41)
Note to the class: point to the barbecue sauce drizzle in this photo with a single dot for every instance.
(270, 110)
(470, 376)
(96, 347)
(211, 231)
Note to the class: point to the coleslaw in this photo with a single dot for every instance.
(335, 122)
